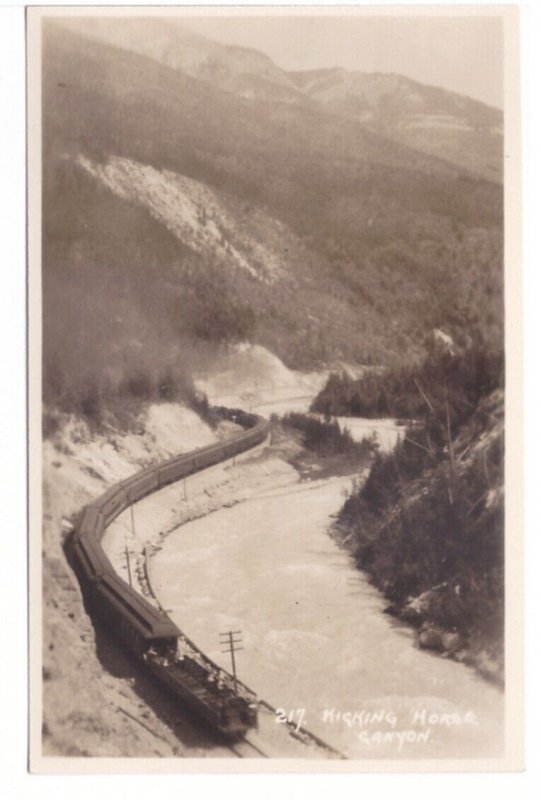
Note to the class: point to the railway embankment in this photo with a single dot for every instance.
(236, 478)
(138, 532)
(95, 701)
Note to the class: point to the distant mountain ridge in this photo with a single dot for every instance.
(463, 131)
(243, 71)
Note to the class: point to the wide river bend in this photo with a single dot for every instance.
(316, 641)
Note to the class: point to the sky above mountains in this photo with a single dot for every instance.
(462, 54)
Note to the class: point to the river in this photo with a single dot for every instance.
(316, 641)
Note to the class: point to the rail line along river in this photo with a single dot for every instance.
(316, 641)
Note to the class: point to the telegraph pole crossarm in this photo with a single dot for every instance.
(232, 641)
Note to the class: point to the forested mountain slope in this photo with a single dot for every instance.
(179, 216)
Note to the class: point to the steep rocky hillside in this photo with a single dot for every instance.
(179, 216)
(89, 710)
(196, 215)
(432, 539)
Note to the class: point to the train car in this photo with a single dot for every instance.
(113, 502)
(94, 551)
(92, 522)
(201, 690)
(230, 450)
(132, 618)
(141, 484)
(145, 630)
(175, 469)
(208, 456)
(84, 565)
(153, 638)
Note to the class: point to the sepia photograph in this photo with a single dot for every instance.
(274, 505)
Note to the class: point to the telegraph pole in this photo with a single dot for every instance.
(128, 565)
(232, 640)
(133, 534)
(132, 521)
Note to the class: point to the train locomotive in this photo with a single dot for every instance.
(210, 692)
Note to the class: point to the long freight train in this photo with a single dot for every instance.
(147, 632)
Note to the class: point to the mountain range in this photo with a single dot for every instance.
(464, 131)
(196, 194)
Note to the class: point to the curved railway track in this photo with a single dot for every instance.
(248, 749)
(149, 633)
